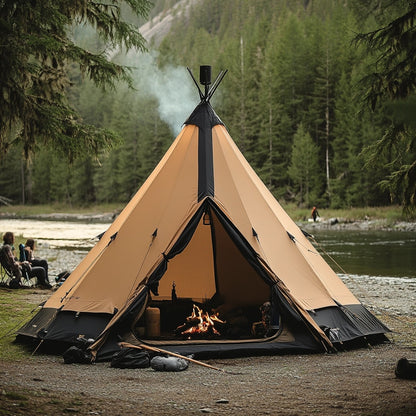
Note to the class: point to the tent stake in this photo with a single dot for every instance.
(37, 347)
(159, 350)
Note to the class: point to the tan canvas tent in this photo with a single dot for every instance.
(205, 224)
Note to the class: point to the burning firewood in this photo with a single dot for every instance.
(200, 324)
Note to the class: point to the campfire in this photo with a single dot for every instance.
(200, 324)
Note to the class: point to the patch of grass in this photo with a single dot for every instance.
(15, 396)
(76, 402)
(55, 402)
(15, 311)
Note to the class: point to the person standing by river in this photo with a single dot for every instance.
(315, 214)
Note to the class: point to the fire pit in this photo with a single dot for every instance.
(200, 324)
(186, 319)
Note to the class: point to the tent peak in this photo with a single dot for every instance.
(205, 80)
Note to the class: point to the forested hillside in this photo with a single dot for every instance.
(292, 101)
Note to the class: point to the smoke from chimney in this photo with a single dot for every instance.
(171, 86)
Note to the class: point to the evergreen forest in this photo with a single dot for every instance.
(293, 100)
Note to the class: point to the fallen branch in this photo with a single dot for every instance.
(160, 351)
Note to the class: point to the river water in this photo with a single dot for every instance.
(373, 264)
(63, 243)
(55, 234)
(376, 253)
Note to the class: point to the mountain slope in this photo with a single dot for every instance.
(158, 27)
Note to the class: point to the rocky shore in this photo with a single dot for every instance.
(367, 224)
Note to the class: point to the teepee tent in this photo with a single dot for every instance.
(203, 229)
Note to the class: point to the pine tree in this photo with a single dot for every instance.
(393, 77)
(11, 180)
(34, 55)
(81, 185)
(303, 166)
(41, 176)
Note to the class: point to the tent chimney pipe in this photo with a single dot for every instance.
(205, 77)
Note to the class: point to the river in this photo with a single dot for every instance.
(63, 243)
(56, 234)
(376, 253)
(373, 264)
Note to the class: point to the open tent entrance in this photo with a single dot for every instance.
(211, 270)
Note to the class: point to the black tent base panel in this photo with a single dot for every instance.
(64, 326)
(362, 342)
(38, 346)
(346, 323)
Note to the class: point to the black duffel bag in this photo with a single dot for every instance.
(130, 358)
(75, 355)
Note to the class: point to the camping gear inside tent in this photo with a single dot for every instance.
(203, 260)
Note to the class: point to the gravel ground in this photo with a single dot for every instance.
(359, 382)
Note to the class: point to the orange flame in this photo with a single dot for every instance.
(206, 322)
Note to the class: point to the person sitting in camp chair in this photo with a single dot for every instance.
(29, 255)
(14, 268)
(18, 269)
(10, 268)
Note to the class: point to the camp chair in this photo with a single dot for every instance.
(6, 273)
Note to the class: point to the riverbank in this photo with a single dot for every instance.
(336, 223)
(324, 222)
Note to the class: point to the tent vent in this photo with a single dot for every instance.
(254, 233)
(207, 219)
(154, 233)
(292, 237)
(205, 79)
(306, 234)
(112, 238)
